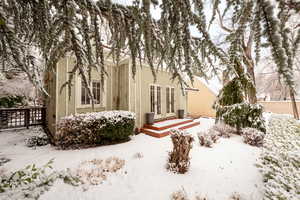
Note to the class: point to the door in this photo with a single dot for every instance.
(155, 100)
(170, 101)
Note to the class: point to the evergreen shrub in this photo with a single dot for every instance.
(11, 101)
(232, 109)
(95, 128)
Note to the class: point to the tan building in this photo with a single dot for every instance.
(121, 92)
(200, 102)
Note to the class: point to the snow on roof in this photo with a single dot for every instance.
(213, 84)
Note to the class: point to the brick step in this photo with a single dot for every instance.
(159, 126)
(163, 133)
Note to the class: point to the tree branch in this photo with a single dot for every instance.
(221, 22)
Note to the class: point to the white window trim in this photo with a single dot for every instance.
(156, 116)
(102, 95)
(170, 114)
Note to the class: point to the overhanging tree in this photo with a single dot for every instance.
(60, 27)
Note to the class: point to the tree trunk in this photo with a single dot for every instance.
(252, 93)
(295, 110)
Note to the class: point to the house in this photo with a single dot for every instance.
(122, 91)
(200, 102)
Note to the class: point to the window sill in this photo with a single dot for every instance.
(90, 106)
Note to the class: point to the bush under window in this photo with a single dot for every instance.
(95, 128)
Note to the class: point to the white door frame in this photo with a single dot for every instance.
(170, 113)
(156, 116)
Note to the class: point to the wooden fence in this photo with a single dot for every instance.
(22, 117)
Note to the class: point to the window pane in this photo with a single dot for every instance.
(82, 95)
(152, 103)
(172, 100)
(158, 100)
(168, 99)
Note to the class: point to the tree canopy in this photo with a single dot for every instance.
(60, 27)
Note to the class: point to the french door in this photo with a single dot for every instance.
(170, 100)
(155, 100)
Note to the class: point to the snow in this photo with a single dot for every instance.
(169, 122)
(216, 172)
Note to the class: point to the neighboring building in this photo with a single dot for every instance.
(200, 102)
(121, 92)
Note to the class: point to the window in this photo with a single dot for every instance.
(168, 99)
(158, 100)
(96, 89)
(172, 99)
(152, 97)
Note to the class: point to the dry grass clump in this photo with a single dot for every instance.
(179, 160)
(253, 136)
(95, 171)
(207, 139)
(224, 130)
(138, 155)
(182, 195)
(179, 195)
(236, 196)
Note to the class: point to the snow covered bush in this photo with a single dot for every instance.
(281, 159)
(253, 136)
(179, 195)
(179, 160)
(207, 139)
(95, 128)
(242, 115)
(37, 140)
(12, 101)
(96, 171)
(3, 160)
(233, 109)
(31, 182)
(224, 130)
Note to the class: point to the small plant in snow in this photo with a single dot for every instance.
(31, 182)
(253, 136)
(224, 130)
(207, 139)
(280, 159)
(236, 196)
(95, 171)
(179, 160)
(3, 160)
(179, 195)
(138, 155)
(39, 140)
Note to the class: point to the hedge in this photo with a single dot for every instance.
(96, 128)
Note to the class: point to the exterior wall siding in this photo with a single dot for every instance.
(280, 107)
(200, 102)
(122, 91)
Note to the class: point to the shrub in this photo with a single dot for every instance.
(232, 109)
(179, 160)
(95, 171)
(32, 181)
(12, 101)
(3, 160)
(94, 129)
(253, 136)
(280, 159)
(224, 130)
(37, 140)
(207, 139)
(242, 115)
(179, 195)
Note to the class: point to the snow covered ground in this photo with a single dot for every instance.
(215, 172)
